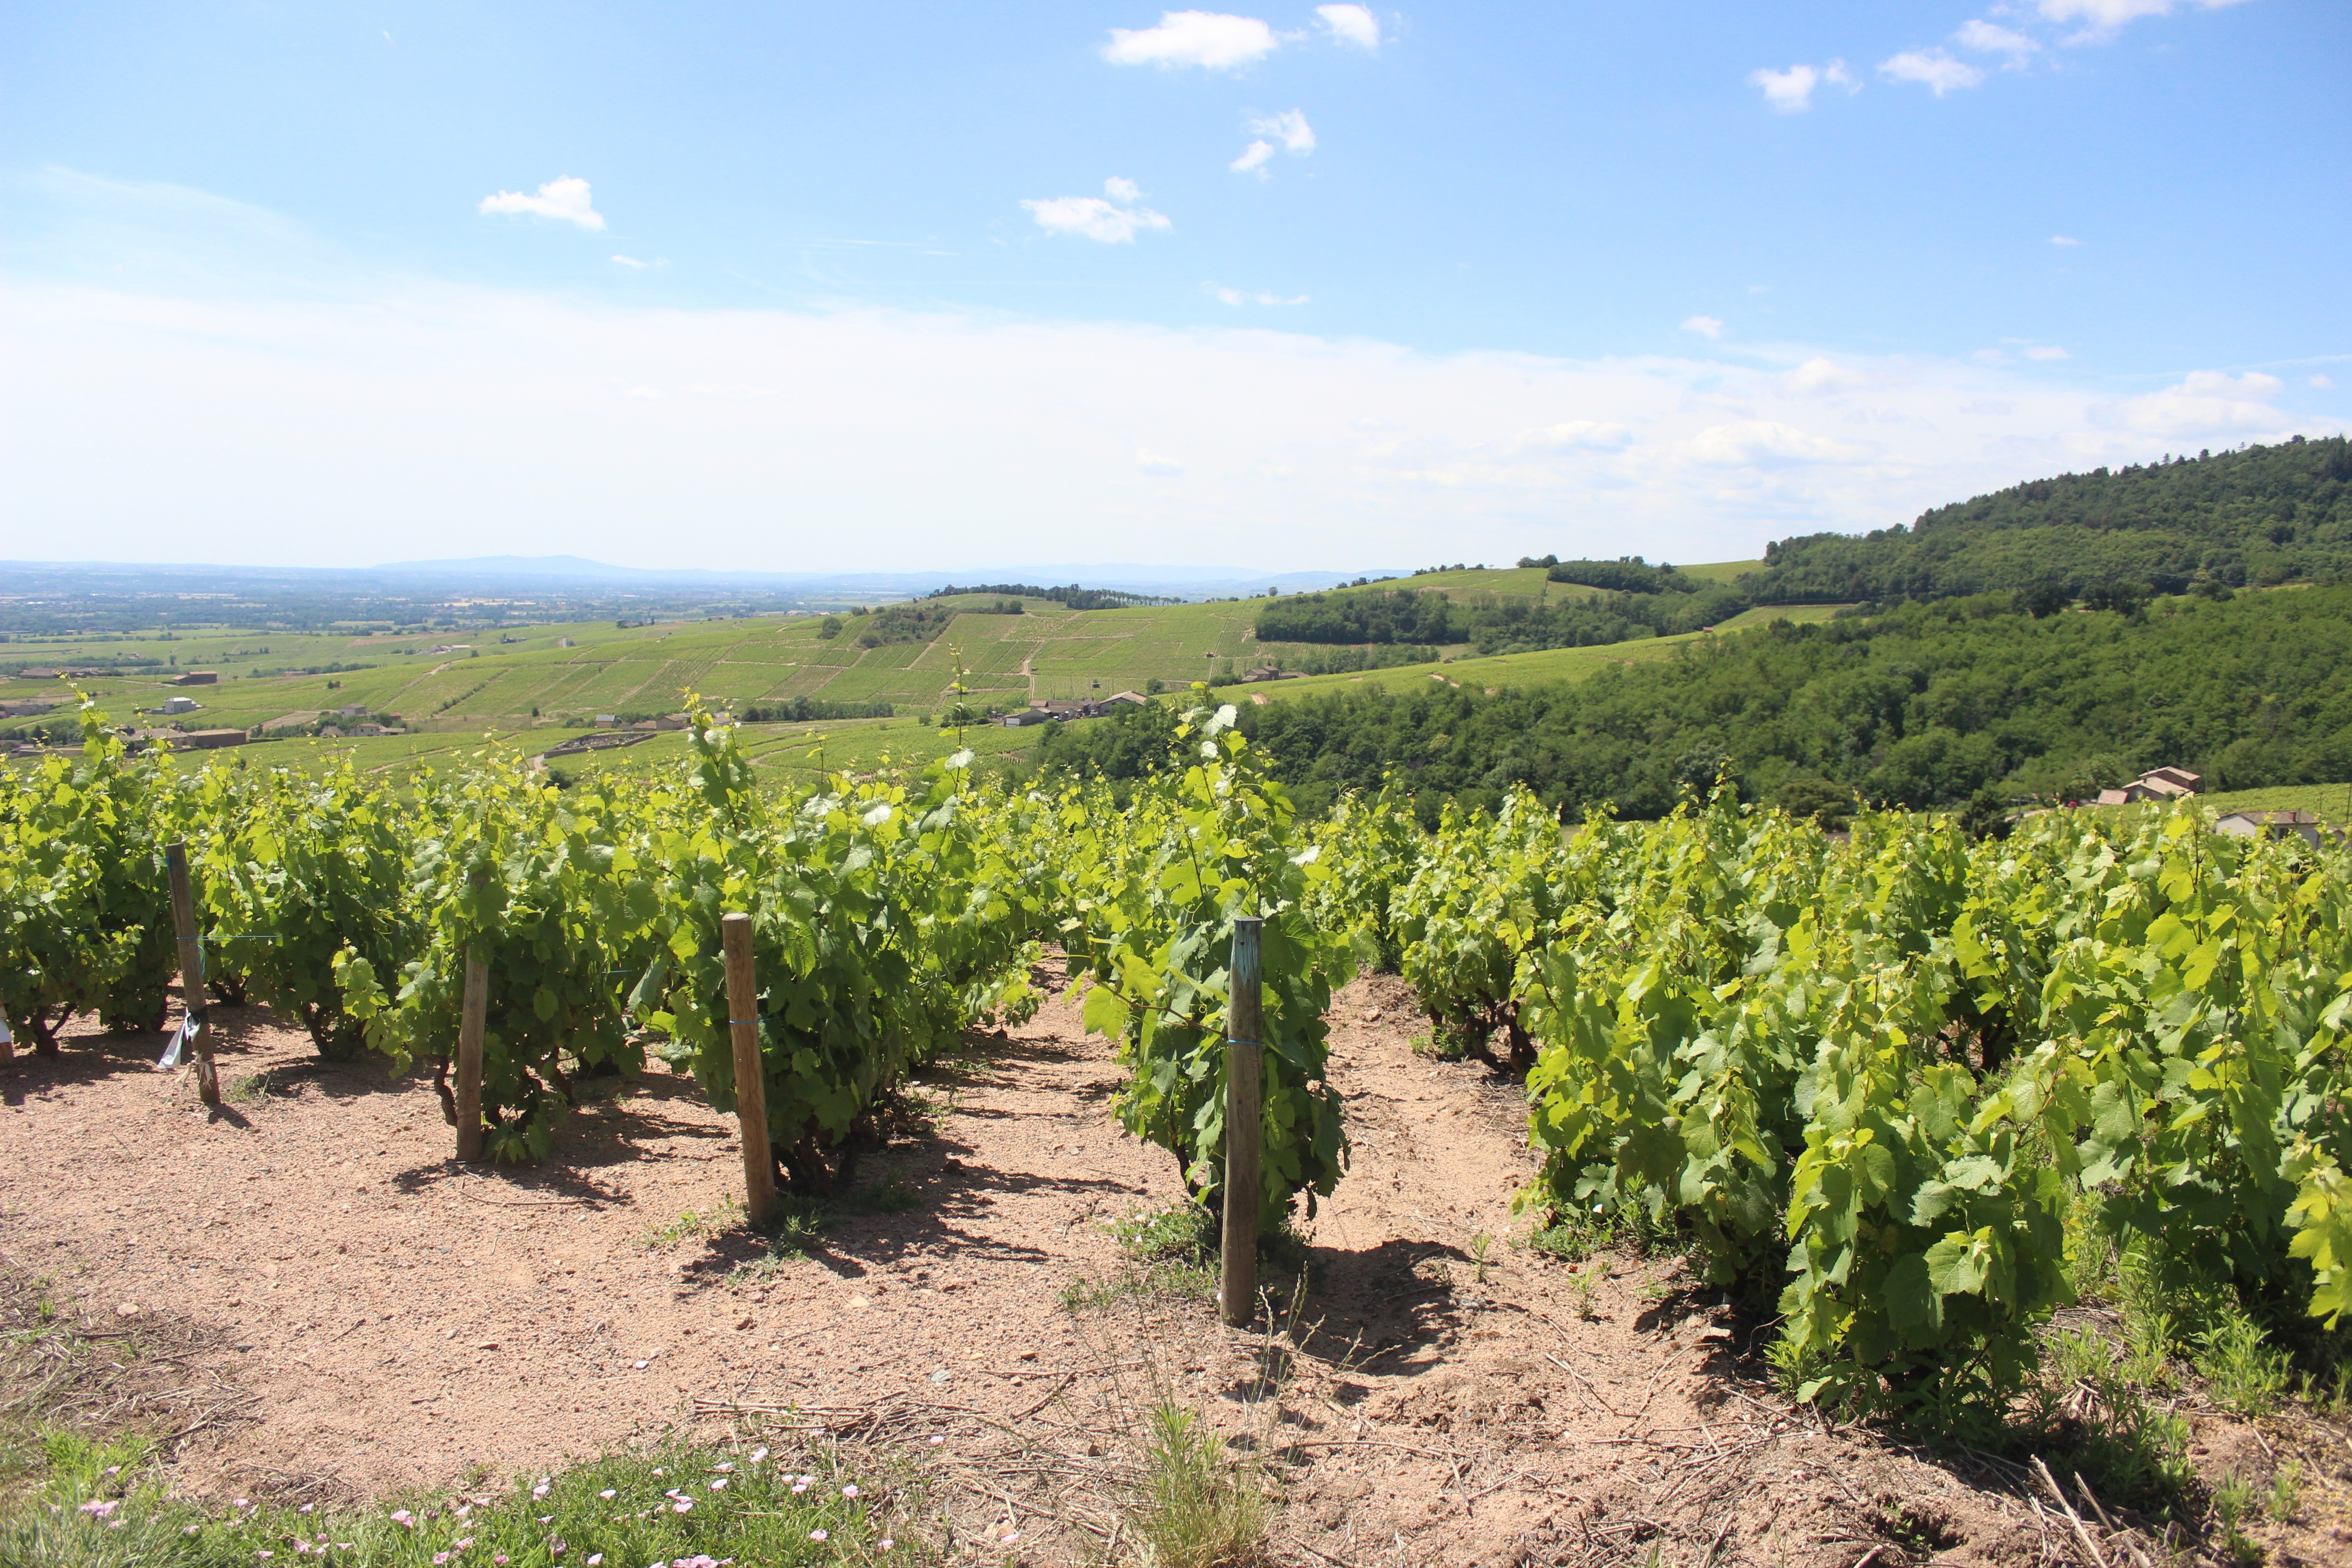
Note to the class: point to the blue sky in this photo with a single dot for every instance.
(890, 286)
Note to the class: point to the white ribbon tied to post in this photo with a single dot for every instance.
(192, 1024)
(6, 1037)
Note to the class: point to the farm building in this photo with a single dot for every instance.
(206, 740)
(197, 677)
(2270, 824)
(2156, 783)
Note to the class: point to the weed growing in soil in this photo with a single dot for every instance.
(694, 1225)
(2286, 1490)
(793, 1232)
(2246, 1375)
(103, 1504)
(1195, 1512)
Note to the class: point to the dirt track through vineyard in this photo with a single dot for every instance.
(383, 1319)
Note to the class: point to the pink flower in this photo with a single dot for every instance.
(608, 1494)
(758, 1454)
(888, 1543)
(817, 1535)
(239, 1502)
(722, 1466)
(937, 1441)
(464, 1542)
(306, 1508)
(440, 1558)
(719, 1485)
(500, 1560)
(555, 1547)
(849, 1491)
(100, 1509)
(1010, 1536)
(403, 1518)
(190, 1530)
(683, 1505)
(799, 1487)
(595, 1560)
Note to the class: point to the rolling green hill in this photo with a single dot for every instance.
(2261, 516)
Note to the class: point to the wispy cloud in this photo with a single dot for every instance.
(632, 262)
(1988, 38)
(2322, 383)
(565, 198)
(1244, 297)
(1705, 326)
(1289, 128)
(1113, 222)
(1767, 443)
(1352, 25)
(1822, 374)
(1790, 92)
(2046, 352)
(1157, 465)
(1934, 69)
(2206, 400)
(1574, 436)
(478, 420)
(1208, 39)
(2102, 18)
(2064, 241)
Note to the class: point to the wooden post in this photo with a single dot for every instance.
(1244, 1123)
(469, 1056)
(191, 969)
(750, 1075)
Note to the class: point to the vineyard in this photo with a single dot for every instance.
(1901, 1097)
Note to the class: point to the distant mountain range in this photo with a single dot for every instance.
(1177, 581)
(571, 575)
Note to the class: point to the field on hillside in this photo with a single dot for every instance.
(534, 680)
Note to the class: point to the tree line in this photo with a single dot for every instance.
(1927, 706)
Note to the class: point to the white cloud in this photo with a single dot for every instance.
(1209, 38)
(1095, 217)
(2046, 352)
(631, 261)
(1934, 69)
(2101, 17)
(565, 198)
(1765, 443)
(1705, 326)
(1575, 436)
(1987, 39)
(1352, 25)
(1155, 465)
(465, 420)
(2323, 384)
(1819, 375)
(1792, 91)
(1289, 128)
(2206, 400)
(2060, 239)
(1244, 297)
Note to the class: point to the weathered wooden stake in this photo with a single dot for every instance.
(469, 1058)
(191, 969)
(751, 1076)
(1245, 1122)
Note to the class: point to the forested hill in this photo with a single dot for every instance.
(1922, 707)
(2263, 515)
